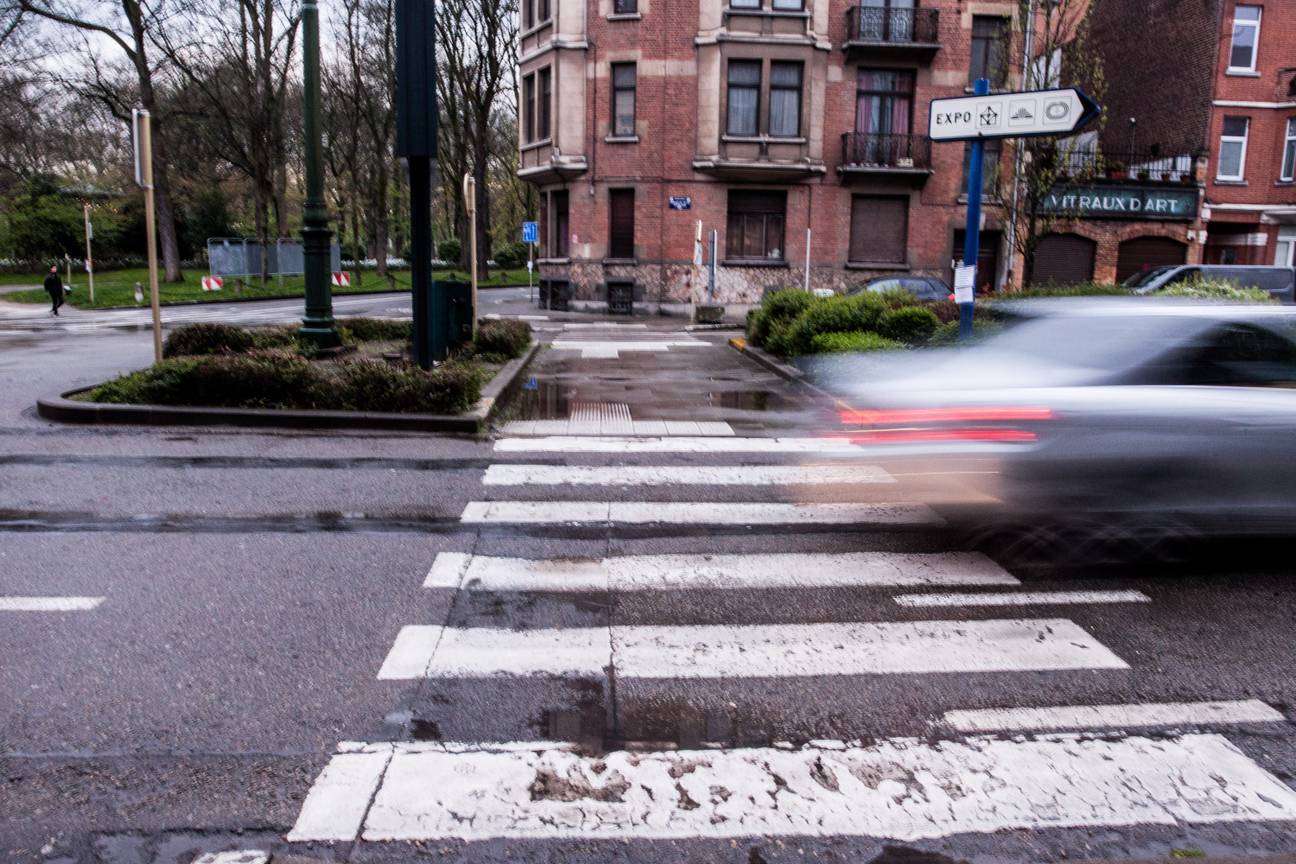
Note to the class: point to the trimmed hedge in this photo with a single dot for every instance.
(912, 325)
(504, 339)
(195, 340)
(777, 310)
(828, 315)
(1215, 289)
(377, 329)
(283, 380)
(853, 342)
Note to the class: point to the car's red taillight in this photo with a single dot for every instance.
(927, 425)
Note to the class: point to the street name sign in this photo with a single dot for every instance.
(1011, 115)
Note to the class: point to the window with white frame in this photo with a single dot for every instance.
(1246, 39)
(1289, 151)
(1285, 252)
(1232, 149)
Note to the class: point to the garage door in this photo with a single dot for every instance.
(1144, 253)
(1063, 259)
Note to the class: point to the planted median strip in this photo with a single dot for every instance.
(262, 375)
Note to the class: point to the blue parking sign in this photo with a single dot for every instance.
(530, 232)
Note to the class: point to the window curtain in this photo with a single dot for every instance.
(785, 100)
(744, 93)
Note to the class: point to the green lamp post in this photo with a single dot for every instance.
(318, 326)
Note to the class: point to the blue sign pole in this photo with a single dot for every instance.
(972, 230)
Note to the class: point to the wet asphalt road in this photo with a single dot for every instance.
(254, 582)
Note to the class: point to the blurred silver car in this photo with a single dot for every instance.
(1129, 415)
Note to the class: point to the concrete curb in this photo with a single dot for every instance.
(781, 369)
(63, 409)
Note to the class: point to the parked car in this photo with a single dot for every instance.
(1280, 282)
(1118, 414)
(923, 287)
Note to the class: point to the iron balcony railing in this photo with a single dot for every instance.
(888, 26)
(869, 150)
(1177, 165)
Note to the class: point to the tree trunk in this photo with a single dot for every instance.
(166, 224)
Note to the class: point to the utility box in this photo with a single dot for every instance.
(457, 297)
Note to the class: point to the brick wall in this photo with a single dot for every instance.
(678, 91)
(1159, 60)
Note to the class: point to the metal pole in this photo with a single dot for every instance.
(711, 271)
(470, 204)
(318, 325)
(530, 268)
(972, 230)
(89, 232)
(150, 228)
(807, 270)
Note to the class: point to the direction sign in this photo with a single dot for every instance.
(530, 232)
(1011, 115)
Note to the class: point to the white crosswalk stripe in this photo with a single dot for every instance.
(1071, 766)
(897, 789)
(684, 443)
(1169, 714)
(694, 513)
(668, 475)
(788, 650)
(713, 572)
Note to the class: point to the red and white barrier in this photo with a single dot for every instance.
(342, 280)
(212, 283)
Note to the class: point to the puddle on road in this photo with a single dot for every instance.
(543, 398)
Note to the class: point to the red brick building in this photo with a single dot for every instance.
(758, 119)
(1222, 79)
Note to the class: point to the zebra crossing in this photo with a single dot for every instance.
(916, 617)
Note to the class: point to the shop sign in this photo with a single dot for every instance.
(1121, 202)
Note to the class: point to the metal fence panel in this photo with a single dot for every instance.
(241, 256)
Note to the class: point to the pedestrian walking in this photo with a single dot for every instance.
(54, 288)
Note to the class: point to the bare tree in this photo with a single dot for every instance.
(477, 53)
(1062, 55)
(236, 62)
(130, 26)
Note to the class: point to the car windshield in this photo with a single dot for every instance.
(1105, 342)
(1146, 276)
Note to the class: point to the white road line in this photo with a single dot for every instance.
(757, 651)
(897, 789)
(335, 807)
(1022, 598)
(722, 572)
(629, 428)
(1165, 714)
(49, 604)
(239, 856)
(483, 652)
(694, 513)
(699, 475)
(558, 443)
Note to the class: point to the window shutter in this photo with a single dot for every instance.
(879, 229)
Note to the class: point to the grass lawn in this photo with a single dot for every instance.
(117, 287)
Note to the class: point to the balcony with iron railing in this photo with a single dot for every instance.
(894, 32)
(1149, 165)
(865, 153)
